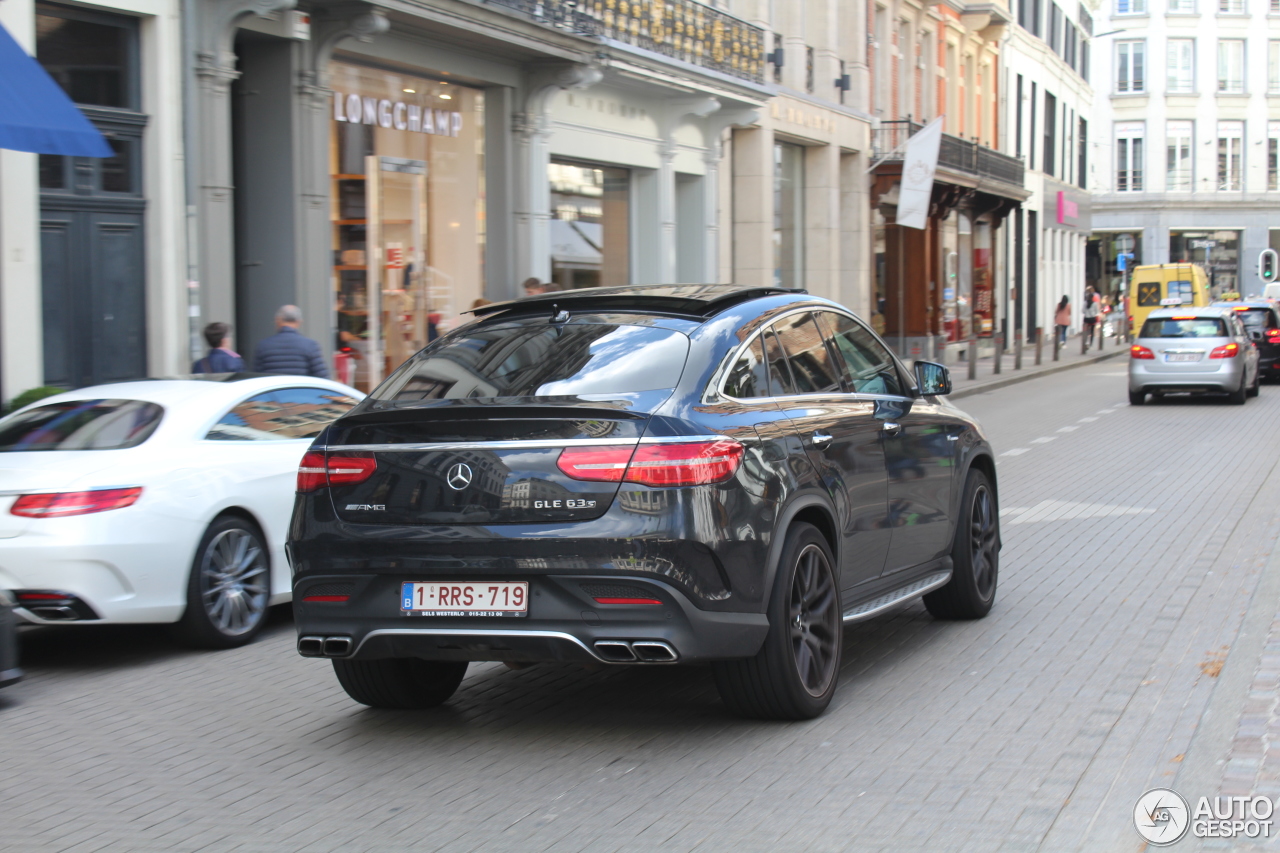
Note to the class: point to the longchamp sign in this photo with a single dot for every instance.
(413, 118)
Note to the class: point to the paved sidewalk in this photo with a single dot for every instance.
(987, 379)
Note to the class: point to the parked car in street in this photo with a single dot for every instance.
(640, 475)
(9, 671)
(1195, 351)
(158, 500)
(1261, 320)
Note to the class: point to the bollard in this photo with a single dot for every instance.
(973, 358)
(999, 342)
(1084, 340)
(1039, 344)
(1017, 351)
(1057, 343)
(1102, 332)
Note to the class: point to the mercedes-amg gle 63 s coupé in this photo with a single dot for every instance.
(640, 476)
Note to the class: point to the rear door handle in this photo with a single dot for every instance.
(892, 428)
(821, 440)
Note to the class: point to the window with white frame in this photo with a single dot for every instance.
(1131, 66)
(1182, 7)
(1230, 156)
(1231, 66)
(1231, 7)
(1181, 63)
(1178, 140)
(1273, 155)
(1130, 136)
(1131, 7)
(1273, 67)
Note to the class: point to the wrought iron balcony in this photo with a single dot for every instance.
(681, 29)
(889, 142)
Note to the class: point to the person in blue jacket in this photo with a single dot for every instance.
(221, 358)
(287, 351)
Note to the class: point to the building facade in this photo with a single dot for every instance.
(1047, 108)
(1188, 123)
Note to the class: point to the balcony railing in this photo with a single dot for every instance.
(680, 29)
(953, 153)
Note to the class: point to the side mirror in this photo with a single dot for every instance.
(934, 379)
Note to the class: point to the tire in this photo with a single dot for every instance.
(1238, 396)
(1136, 398)
(1257, 384)
(794, 675)
(975, 556)
(406, 684)
(228, 588)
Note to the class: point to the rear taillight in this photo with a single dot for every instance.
(1225, 351)
(318, 470)
(1136, 351)
(1273, 336)
(61, 504)
(691, 463)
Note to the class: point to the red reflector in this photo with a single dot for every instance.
(318, 470)
(627, 601)
(40, 596)
(1137, 351)
(1225, 351)
(61, 504)
(326, 598)
(604, 464)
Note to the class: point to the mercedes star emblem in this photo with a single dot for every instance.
(459, 476)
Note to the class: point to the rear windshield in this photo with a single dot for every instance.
(541, 361)
(81, 425)
(1256, 318)
(1193, 327)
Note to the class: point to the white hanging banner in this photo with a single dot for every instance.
(918, 166)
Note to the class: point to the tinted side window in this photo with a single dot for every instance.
(779, 373)
(284, 415)
(748, 378)
(81, 425)
(868, 366)
(811, 364)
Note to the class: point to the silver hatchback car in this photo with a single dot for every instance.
(1195, 350)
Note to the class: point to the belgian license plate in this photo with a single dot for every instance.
(465, 599)
(1182, 356)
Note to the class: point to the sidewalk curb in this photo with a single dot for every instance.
(1034, 374)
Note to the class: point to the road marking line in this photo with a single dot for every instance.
(1068, 429)
(1088, 420)
(1044, 440)
(1017, 451)
(1105, 411)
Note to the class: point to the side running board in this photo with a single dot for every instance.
(890, 600)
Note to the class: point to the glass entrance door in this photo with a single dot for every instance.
(396, 280)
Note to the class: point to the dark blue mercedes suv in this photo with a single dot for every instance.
(640, 475)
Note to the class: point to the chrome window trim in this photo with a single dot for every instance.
(516, 444)
(742, 347)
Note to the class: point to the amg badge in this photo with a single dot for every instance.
(367, 507)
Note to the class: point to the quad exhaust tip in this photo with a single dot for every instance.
(631, 651)
(319, 647)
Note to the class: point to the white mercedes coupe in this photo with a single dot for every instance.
(162, 500)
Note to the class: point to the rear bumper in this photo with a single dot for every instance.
(1222, 380)
(564, 623)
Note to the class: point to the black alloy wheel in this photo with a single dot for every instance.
(795, 673)
(975, 556)
(229, 586)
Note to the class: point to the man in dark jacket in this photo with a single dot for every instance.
(287, 351)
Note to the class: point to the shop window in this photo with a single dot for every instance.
(1181, 67)
(1129, 152)
(1230, 156)
(788, 215)
(590, 230)
(1178, 147)
(407, 214)
(1131, 62)
(1218, 252)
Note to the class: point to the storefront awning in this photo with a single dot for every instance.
(35, 114)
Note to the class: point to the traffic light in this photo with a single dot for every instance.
(1268, 266)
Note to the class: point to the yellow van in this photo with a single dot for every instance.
(1162, 286)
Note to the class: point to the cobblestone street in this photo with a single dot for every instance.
(1114, 661)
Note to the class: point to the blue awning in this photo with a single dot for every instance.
(35, 114)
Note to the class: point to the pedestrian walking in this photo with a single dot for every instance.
(221, 358)
(288, 351)
(1089, 313)
(1062, 320)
